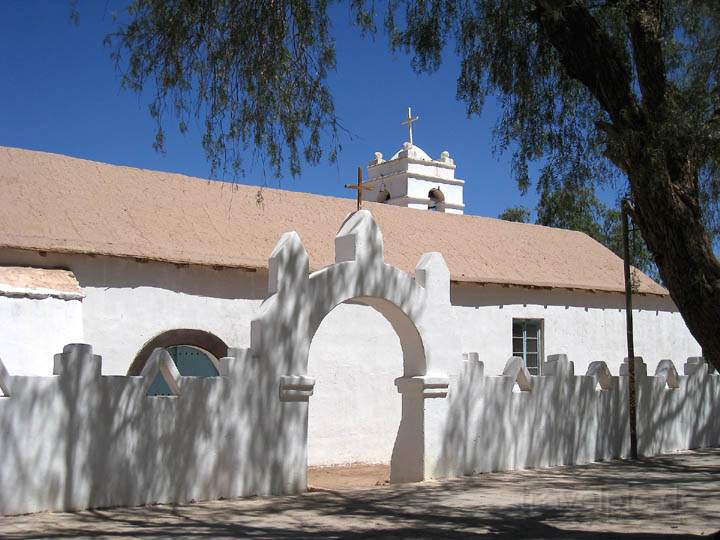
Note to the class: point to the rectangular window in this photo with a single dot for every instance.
(527, 342)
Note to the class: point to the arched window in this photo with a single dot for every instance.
(193, 361)
(195, 352)
(190, 361)
(436, 200)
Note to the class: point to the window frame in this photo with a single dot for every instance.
(539, 338)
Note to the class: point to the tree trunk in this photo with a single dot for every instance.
(647, 145)
(668, 213)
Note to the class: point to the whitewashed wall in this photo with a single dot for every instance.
(32, 330)
(572, 417)
(355, 356)
(128, 303)
(586, 326)
(78, 440)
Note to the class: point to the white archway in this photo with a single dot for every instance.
(418, 308)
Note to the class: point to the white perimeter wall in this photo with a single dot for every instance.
(78, 440)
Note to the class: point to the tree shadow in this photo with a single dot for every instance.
(561, 418)
(572, 507)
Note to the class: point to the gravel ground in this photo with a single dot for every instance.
(357, 475)
(673, 496)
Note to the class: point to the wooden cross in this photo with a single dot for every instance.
(360, 187)
(408, 122)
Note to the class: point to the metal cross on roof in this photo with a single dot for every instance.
(408, 122)
(360, 187)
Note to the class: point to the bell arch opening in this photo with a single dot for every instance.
(357, 430)
(436, 200)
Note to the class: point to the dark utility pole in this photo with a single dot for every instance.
(632, 390)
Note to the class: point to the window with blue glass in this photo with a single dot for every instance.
(527, 342)
(191, 361)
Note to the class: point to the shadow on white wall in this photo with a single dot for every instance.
(81, 440)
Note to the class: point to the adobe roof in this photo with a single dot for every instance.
(56, 203)
(38, 283)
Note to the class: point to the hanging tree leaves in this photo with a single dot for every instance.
(253, 72)
(616, 93)
(621, 91)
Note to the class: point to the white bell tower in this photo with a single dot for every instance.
(413, 179)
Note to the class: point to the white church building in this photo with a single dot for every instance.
(248, 333)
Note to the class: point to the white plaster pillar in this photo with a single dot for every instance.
(409, 463)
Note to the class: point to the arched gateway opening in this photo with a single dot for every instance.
(355, 414)
(417, 309)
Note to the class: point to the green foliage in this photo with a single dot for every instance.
(550, 118)
(519, 214)
(611, 237)
(252, 72)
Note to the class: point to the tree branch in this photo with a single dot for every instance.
(588, 55)
(644, 20)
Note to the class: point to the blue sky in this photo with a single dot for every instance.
(60, 93)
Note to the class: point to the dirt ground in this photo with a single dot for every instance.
(675, 496)
(357, 475)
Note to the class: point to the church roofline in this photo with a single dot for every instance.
(60, 204)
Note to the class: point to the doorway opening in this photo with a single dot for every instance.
(355, 413)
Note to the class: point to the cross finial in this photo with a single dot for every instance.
(408, 122)
(360, 187)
